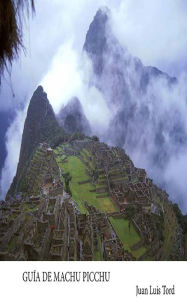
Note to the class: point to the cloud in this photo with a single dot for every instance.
(150, 120)
(53, 40)
(62, 80)
(154, 31)
(175, 178)
(13, 138)
(163, 43)
(69, 76)
(154, 133)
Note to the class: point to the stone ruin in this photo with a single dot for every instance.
(46, 224)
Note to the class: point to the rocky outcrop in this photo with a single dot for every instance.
(73, 119)
(111, 61)
(40, 126)
(96, 40)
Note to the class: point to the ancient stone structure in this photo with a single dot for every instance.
(45, 223)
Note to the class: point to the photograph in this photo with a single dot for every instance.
(101, 175)
(93, 135)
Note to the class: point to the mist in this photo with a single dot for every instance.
(148, 115)
(59, 27)
(13, 144)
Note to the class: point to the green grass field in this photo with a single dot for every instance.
(128, 238)
(81, 192)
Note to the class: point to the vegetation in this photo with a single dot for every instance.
(95, 138)
(181, 219)
(77, 136)
(28, 207)
(11, 16)
(67, 179)
(81, 193)
(130, 212)
(98, 253)
(11, 244)
(128, 238)
(169, 230)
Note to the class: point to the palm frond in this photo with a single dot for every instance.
(11, 16)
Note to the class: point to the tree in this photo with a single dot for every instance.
(95, 138)
(182, 219)
(130, 212)
(95, 174)
(11, 16)
(67, 179)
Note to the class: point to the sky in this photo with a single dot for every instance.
(153, 30)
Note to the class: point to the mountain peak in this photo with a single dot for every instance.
(40, 94)
(40, 88)
(103, 12)
(40, 126)
(72, 118)
(96, 40)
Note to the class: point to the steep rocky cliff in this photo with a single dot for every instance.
(40, 125)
